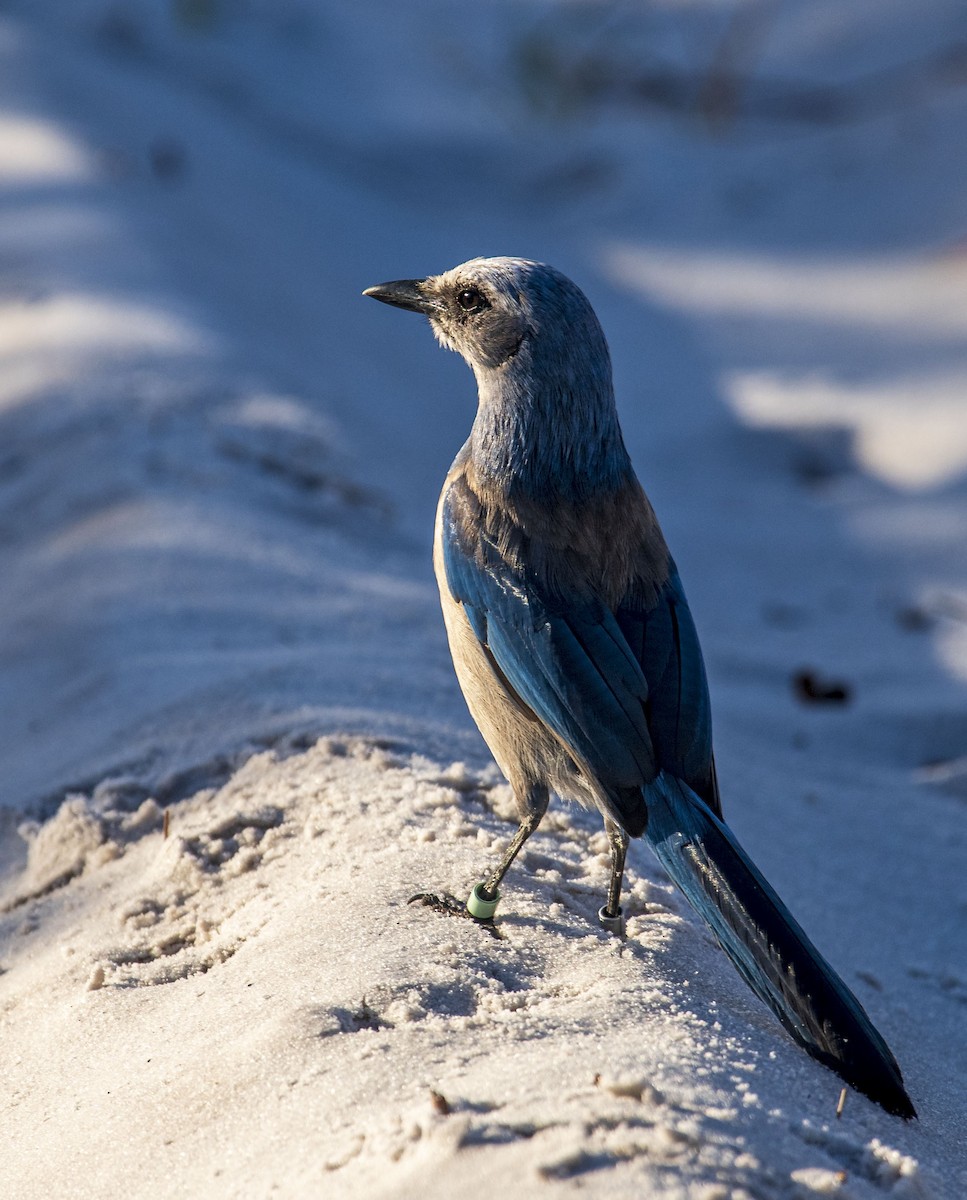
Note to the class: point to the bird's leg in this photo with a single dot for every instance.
(492, 883)
(484, 897)
(610, 916)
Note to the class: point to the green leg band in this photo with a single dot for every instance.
(479, 907)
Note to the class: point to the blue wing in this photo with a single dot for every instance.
(624, 690)
(663, 638)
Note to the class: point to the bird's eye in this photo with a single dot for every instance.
(471, 300)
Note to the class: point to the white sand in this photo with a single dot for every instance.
(218, 467)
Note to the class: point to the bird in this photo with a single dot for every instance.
(574, 646)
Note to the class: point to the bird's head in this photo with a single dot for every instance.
(546, 422)
(496, 311)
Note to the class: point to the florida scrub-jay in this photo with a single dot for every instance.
(574, 646)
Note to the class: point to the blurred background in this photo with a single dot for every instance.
(219, 464)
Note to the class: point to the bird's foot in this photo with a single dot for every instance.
(450, 906)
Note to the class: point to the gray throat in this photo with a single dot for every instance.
(548, 442)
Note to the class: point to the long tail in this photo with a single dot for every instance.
(769, 949)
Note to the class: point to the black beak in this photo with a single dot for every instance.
(403, 293)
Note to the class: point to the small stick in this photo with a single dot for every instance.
(841, 1104)
(167, 823)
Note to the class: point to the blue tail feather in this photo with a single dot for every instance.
(767, 946)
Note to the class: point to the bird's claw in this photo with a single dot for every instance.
(450, 906)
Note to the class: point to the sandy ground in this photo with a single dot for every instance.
(233, 746)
